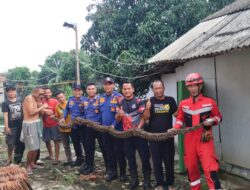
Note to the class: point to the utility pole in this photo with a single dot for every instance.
(77, 66)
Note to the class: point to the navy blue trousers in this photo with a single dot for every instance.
(115, 153)
(78, 136)
(91, 136)
(163, 152)
(20, 147)
(141, 145)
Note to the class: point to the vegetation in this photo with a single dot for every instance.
(132, 31)
(123, 33)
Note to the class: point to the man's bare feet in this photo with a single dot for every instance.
(9, 162)
(55, 162)
(35, 166)
(29, 171)
(48, 158)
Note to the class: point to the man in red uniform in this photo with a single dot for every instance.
(199, 145)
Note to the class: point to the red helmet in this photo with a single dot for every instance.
(193, 78)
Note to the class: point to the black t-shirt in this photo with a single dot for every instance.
(133, 109)
(15, 114)
(161, 114)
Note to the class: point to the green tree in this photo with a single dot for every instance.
(34, 75)
(19, 73)
(60, 68)
(51, 71)
(21, 78)
(133, 31)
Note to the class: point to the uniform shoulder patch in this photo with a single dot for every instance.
(102, 99)
(113, 100)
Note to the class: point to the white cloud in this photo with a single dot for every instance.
(31, 30)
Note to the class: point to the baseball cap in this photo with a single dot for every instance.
(77, 86)
(10, 87)
(108, 79)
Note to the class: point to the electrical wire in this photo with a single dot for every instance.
(115, 61)
(86, 66)
(30, 80)
(117, 76)
(56, 83)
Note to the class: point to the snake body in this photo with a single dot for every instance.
(134, 131)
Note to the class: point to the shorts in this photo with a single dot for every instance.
(30, 135)
(51, 133)
(12, 139)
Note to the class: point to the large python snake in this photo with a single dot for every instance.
(134, 131)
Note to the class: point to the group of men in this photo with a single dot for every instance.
(122, 112)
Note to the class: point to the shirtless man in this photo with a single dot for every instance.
(31, 122)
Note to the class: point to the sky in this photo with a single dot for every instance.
(31, 30)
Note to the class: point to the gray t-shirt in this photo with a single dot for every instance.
(15, 113)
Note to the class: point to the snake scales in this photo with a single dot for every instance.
(134, 131)
(131, 132)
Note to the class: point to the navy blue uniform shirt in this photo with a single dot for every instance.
(108, 108)
(75, 108)
(92, 109)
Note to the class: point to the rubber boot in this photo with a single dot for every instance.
(147, 181)
(123, 176)
(88, 170)
(134, 182)
(111, 175)
(83, 168)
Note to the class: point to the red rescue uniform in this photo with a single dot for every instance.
(191, 113)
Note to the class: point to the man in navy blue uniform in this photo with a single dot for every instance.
(113, 146)
(92, 113)
(130, 113)
(75, 108)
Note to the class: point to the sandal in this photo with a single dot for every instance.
(39, 162)
(47, 158)
(55, 162)
(29, 172)
(37, 167)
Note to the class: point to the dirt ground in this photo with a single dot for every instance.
(58, 177)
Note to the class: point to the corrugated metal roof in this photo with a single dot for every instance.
(208, 38)
(234, 7)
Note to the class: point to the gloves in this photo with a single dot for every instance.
(209, 122)
(206, 135)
